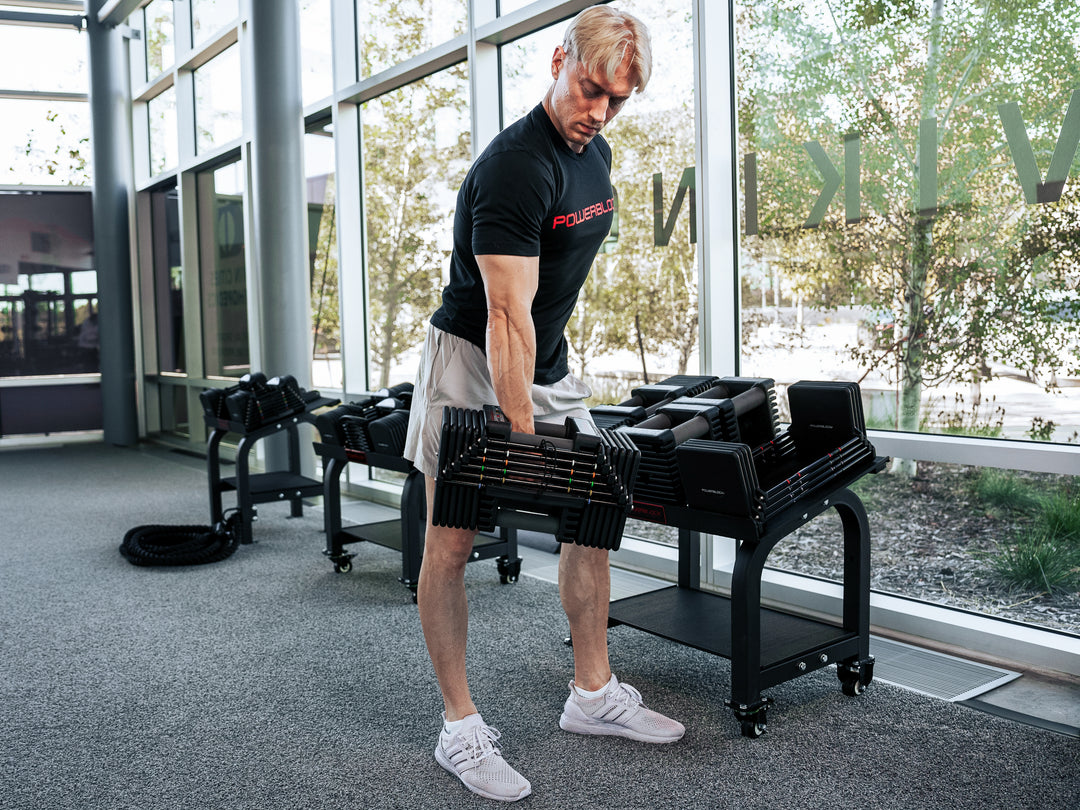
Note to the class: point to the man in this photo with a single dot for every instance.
(531, 214)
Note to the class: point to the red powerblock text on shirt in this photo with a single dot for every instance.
(587, 213)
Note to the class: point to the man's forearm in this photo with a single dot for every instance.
(510, 284)
(511, 354)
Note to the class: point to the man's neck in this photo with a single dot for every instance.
(575, 148)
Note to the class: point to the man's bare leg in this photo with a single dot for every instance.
(585, 589)
(444, 611)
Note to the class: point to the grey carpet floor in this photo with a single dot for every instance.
(268, 681)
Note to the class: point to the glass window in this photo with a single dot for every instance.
(222, 271)
(45, 142)
(910, 207)
(164, 142)
(909, 216)
(637, 315)
(416, 152)
(168, 279)
(48, 287)
(526, 71)
(506, 6)
(174, 410)
(63, 71)
(326, 368)
(218, 117)
(317, 78)
(158, 28)
(209, 16)
(415, 26)
(986, 540)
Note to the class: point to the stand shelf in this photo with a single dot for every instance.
(251, 489)
(766, 647)
(404, 534)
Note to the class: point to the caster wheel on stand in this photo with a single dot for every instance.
(752, 717)
(855, 676)
(508, 571)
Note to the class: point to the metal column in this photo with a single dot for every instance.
(110, 107)
(279, 197)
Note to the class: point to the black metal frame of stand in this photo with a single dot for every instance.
(766, 647)
(404, 534)
(267, 487)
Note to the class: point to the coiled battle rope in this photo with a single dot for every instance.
(181, 545)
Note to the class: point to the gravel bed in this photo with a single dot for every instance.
(930, 539)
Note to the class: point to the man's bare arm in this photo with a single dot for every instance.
(510, 285)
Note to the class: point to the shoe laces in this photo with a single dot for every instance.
(627, 696)
(478, 742)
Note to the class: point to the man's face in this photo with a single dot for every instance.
(581, 103)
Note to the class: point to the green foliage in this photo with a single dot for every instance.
(1042, 430)
(159, 37)
(1059, 517)
(395, 30)
(1003, 490)
(416, 151)
(52, 151)
(1039, 562)
(878, 422)
(1045, 556)
(638, 297)
(868, 13)
(326, 315)
(645, 297)
(982, 418)
(968, 279)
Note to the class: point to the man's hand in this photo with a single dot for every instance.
(510, 285)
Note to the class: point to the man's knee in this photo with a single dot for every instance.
(448, 547)
(584, 555)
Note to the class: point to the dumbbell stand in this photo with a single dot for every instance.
(766, 646)
(251, 489)
(404, 534)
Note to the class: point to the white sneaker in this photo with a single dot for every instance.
(618, 712)
(470, 754)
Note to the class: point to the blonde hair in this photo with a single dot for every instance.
(600, 38)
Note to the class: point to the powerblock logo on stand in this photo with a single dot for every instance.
(587, 213)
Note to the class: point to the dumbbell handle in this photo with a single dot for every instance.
(698, 426)
(746, 401)
(691, 429)
(529, 521)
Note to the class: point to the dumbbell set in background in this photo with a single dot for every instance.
(722, 449)
(255, 401)
(376, 423)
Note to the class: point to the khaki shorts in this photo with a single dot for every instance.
(454, 372)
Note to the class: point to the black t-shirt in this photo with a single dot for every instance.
(529, 194)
